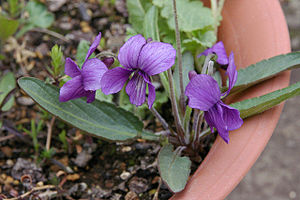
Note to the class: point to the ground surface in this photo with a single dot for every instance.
(276, 174)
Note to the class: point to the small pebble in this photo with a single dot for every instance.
(125, 175)
(292, 195)
(40, 183)
(25, 101)
(138, 185)
(10, 163)
(126, 149)
(73, 177)
(131, 196)
(16, 182)
(9, 180)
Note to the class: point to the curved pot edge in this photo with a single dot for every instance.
(226, 165)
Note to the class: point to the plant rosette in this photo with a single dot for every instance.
(254, 33)
(254, 30)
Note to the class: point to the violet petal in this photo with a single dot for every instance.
(108, 61)
(72, 89)
(90, 96)
(203, 92)
(231, 73)
(92, 72)
(71, 68)
(130, 51)
(94, 46)
(113, 80)
(214, 119)
(136, 89)
(231, 117)
(219, 50)
(156, 57)
(151, 90)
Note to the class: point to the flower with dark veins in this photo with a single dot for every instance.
(204, 94)
(85, 81)
(144, 59)
(219, 50)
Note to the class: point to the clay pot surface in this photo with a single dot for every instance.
(253, 30)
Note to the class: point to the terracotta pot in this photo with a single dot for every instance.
(253, 30)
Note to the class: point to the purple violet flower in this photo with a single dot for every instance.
(85, 81)
(144, 59)
(219, 50)
(204, 94)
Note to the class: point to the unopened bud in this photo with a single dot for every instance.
(192, 74)
(210, 68)
(149, 40)
(108, 61)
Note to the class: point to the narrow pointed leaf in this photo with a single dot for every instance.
(137, 10)
(260, 104)
(100, 119)
(7, 84)
(173, 169)
(264, 70)
(151, 24)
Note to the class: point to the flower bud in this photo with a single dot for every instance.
(192, 74)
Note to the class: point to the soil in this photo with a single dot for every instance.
(86, 168)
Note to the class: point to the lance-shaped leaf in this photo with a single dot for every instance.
(264, 70)
(174, 170)
(151, 30)
(7, 84)
(260, 104)
(100, 119)
(151, 24)
(137, 10)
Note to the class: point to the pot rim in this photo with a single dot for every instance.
(256, 30)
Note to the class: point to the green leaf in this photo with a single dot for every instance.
(192, 15)
(82, 50)
(102, 97)
(100, 119)
(260, 104)
(203, 38)
(137, 10)
(2, 57)
(24, 29)
(9, 104)
(187, 66)
(7, 84)
(264, 70)
(10, 27)
(14, 7)
(151, 24)
(38, 15)
(130, 32)
(174, 170)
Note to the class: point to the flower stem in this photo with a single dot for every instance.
(160, 118)
(106, 54)
(214, 8)
(49, 133)
(178, 124)
(179, 57)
